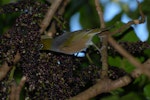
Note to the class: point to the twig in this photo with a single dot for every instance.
(123, 52)
(17, 57)
(49, 15)
(140, 68)
(102, 86)
(100, 13)
(60, 12)
(16, 90)
(4, 69)
(127, 25)
(136, 21)
(19, 87)
(62, 9)
(104, 55)
(13, 90)
(137, 72)
(106, 85)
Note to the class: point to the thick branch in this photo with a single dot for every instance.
(137, 72)
(106, 85)
(122, 51)
(103, 86)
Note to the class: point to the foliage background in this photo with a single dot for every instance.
(139, 89)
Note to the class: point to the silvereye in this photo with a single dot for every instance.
(73, 42)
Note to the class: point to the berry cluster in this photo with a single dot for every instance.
(135, 48)
(49, 75)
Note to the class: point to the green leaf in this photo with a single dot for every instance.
(141, 80)
(147, 52)
(147, 91)
(7, 1)
(128, 36)
(116, 26)
(73, 8)
(7, 20)
(117, 91)
(131, 96)
(127, 66)
(121, 63)
(88, 15)
(114, 97)
(96, 39)
(18, 75)
(114, 61)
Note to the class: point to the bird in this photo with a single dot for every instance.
(76, 41)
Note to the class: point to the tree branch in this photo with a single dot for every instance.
(100, 13)
(130, 58)
(4, 69)
(16, 90)
(102, 86)
(104, 55)
(136, 21)
(123, 52)
(106, 85)
(49, 15)
(60, 12)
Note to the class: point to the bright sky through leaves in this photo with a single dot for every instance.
(114, 8)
